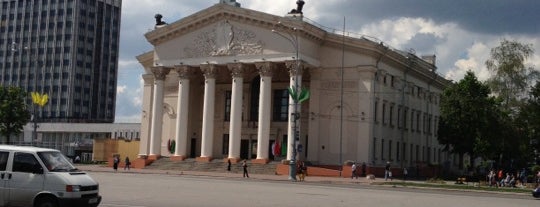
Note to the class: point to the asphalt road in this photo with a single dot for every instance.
(160, 190)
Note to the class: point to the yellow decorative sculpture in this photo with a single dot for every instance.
(39, 99)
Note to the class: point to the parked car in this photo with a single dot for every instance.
(41, 177)
(536, 192)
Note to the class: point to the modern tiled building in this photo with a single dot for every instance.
(67, 49)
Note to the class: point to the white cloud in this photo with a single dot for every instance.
(397, 32)
(121, 89)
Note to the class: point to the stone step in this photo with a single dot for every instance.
(214, 166)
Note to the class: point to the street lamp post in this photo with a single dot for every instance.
(293, 39)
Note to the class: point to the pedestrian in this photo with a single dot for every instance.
(127, 164)
(523, 177)
(387, 171)
(229, 165)
(116, 160)
(363, 169)
(354, 174)
(245, 166)
(405, 172)
(491, 178)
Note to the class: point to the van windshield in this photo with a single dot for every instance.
(56, 162)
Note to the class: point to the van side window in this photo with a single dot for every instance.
(24, 162)
(3, 160)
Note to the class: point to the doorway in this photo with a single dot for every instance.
(193, 148)
(244, 149)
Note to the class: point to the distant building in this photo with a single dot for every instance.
(217, 84)
(75, 138)
(67, 49)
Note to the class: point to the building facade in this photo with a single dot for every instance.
(67, 49)
(217, 81)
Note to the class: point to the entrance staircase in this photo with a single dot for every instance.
(217, 165)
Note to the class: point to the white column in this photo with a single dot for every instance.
(263, 132)
(146, 116)
(208, 110)
(295, 71)
(157, 111)
(184, 73)
(235, 129)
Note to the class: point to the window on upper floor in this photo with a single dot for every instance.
(281, 105)
(227, 115)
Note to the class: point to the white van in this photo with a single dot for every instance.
(39, 177)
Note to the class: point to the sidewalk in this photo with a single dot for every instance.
(334, 180)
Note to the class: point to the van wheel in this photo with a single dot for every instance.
(46, 202)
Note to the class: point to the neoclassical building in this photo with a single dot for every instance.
(216, 85)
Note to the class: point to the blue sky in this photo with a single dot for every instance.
(460, 32)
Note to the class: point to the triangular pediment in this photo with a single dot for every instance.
(207, 17)
(224, 32)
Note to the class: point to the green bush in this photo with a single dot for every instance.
(435, 180)
(535, 169)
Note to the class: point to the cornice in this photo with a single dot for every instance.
(146, 59)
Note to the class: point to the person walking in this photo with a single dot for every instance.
(405, 172)
(116, 160)
(387, 172)
(354, 174)
(228, 165)
(127, 164)
(245, 166)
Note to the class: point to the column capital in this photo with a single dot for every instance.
(237, 69)
(293, 70)
(209, 70)
(160, 72)
(184, 71)
(266, 68)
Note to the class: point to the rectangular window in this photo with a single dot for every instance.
(390, 150)
(24, 162)
(382, 149)
(399, 121)
(391, 114)
(3, 160)
(397, 151)
(411, 153)
(423, 153)
(375, 111)
(281, 105)
(383, 113)
(418, 121)
(417, 153)
(429, 155)
(374, 148)
(227, 115)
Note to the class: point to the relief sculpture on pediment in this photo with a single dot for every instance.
(224, 40)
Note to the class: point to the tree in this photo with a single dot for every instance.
(511, 76)
(529, 120)
(13, 112)
(467, 118)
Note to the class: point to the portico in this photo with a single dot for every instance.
(227, 77)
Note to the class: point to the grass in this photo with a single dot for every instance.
(457, 187)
